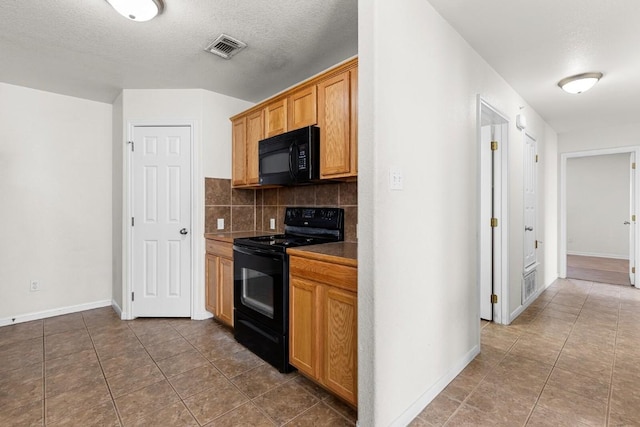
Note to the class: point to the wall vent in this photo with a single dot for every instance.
(529, 286)
(225, 46)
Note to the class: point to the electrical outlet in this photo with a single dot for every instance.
(220, 223)
(34, 286)
(272, 223)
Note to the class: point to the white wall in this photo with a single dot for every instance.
(599, 138)
(116, 179)
(418, 307)
(548, 204)
(209, 114)
(55, 191)
(597, 205)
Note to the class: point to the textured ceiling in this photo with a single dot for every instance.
(534, 44)
(84, 48)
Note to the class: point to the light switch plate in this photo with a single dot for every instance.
(395, 179)
(220, 223)
(272, 223)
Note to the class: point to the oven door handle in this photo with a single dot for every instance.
(273, 255)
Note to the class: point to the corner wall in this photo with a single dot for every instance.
(55, 190)
(417, 261)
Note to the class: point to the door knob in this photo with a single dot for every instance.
(528, 229)
(183, 231)
(627, 223)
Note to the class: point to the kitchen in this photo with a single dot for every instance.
(73, 152)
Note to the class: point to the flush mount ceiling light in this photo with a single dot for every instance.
(138, 10)
(580, 82)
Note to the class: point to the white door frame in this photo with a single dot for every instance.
(501, 205)
(197, 219)
(563, 198)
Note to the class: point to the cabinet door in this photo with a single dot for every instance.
(334, 119)
(255, 132)
(225, 291)
(304, 334)
(275, 118)
(239, 161)
(353, 99)
(210, 289)
(341, 341)
(302, 106)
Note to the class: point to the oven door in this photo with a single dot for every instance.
(261, 286)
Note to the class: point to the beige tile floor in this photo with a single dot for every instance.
(91, 368)
(571, 359)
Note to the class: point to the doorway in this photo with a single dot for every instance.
(493, 132)
(160, 188)
(598, 204)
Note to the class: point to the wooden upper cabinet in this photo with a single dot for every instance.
(239, 154)
(329, 101)
(302, 106)
(334, 119)
(275, 118)
(255, 132)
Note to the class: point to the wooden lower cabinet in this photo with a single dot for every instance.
(219, 286)
(323, 324)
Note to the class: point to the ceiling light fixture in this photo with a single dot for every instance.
(580, 82)
(138, 10)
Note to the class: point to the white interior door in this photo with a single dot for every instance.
(486, 213)
(529, 201)
(161, 221)
(632, 226)
(492, 265)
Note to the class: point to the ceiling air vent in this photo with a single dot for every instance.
(225, 46)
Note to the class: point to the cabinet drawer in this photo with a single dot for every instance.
(218, 248)
(340, 276)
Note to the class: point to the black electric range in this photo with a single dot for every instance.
(261, 279)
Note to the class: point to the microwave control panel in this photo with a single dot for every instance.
(302, 158)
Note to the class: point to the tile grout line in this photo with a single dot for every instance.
(104, 376)
(615, 348)
(557, 357)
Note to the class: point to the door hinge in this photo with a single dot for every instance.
(536, 244)
(633, 270)
(133, 296)
(132, 145)
(133, 221)
(494, 145)
(633, 165)
(494, 222)
(633, 218)
(536, 158)
(494, 299)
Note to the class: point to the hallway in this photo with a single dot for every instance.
(571, 359)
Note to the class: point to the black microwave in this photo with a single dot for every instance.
(290, 158)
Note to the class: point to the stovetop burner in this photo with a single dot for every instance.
(303, 226)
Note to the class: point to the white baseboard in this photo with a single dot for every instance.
(598, 255)
(416, 407)
(20, 318)
(518, 311)
(201, 315)
(117, 308)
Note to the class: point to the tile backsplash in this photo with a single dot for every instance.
(247, 210)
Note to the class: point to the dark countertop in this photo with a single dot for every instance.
(344, 253)
(228, 237)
